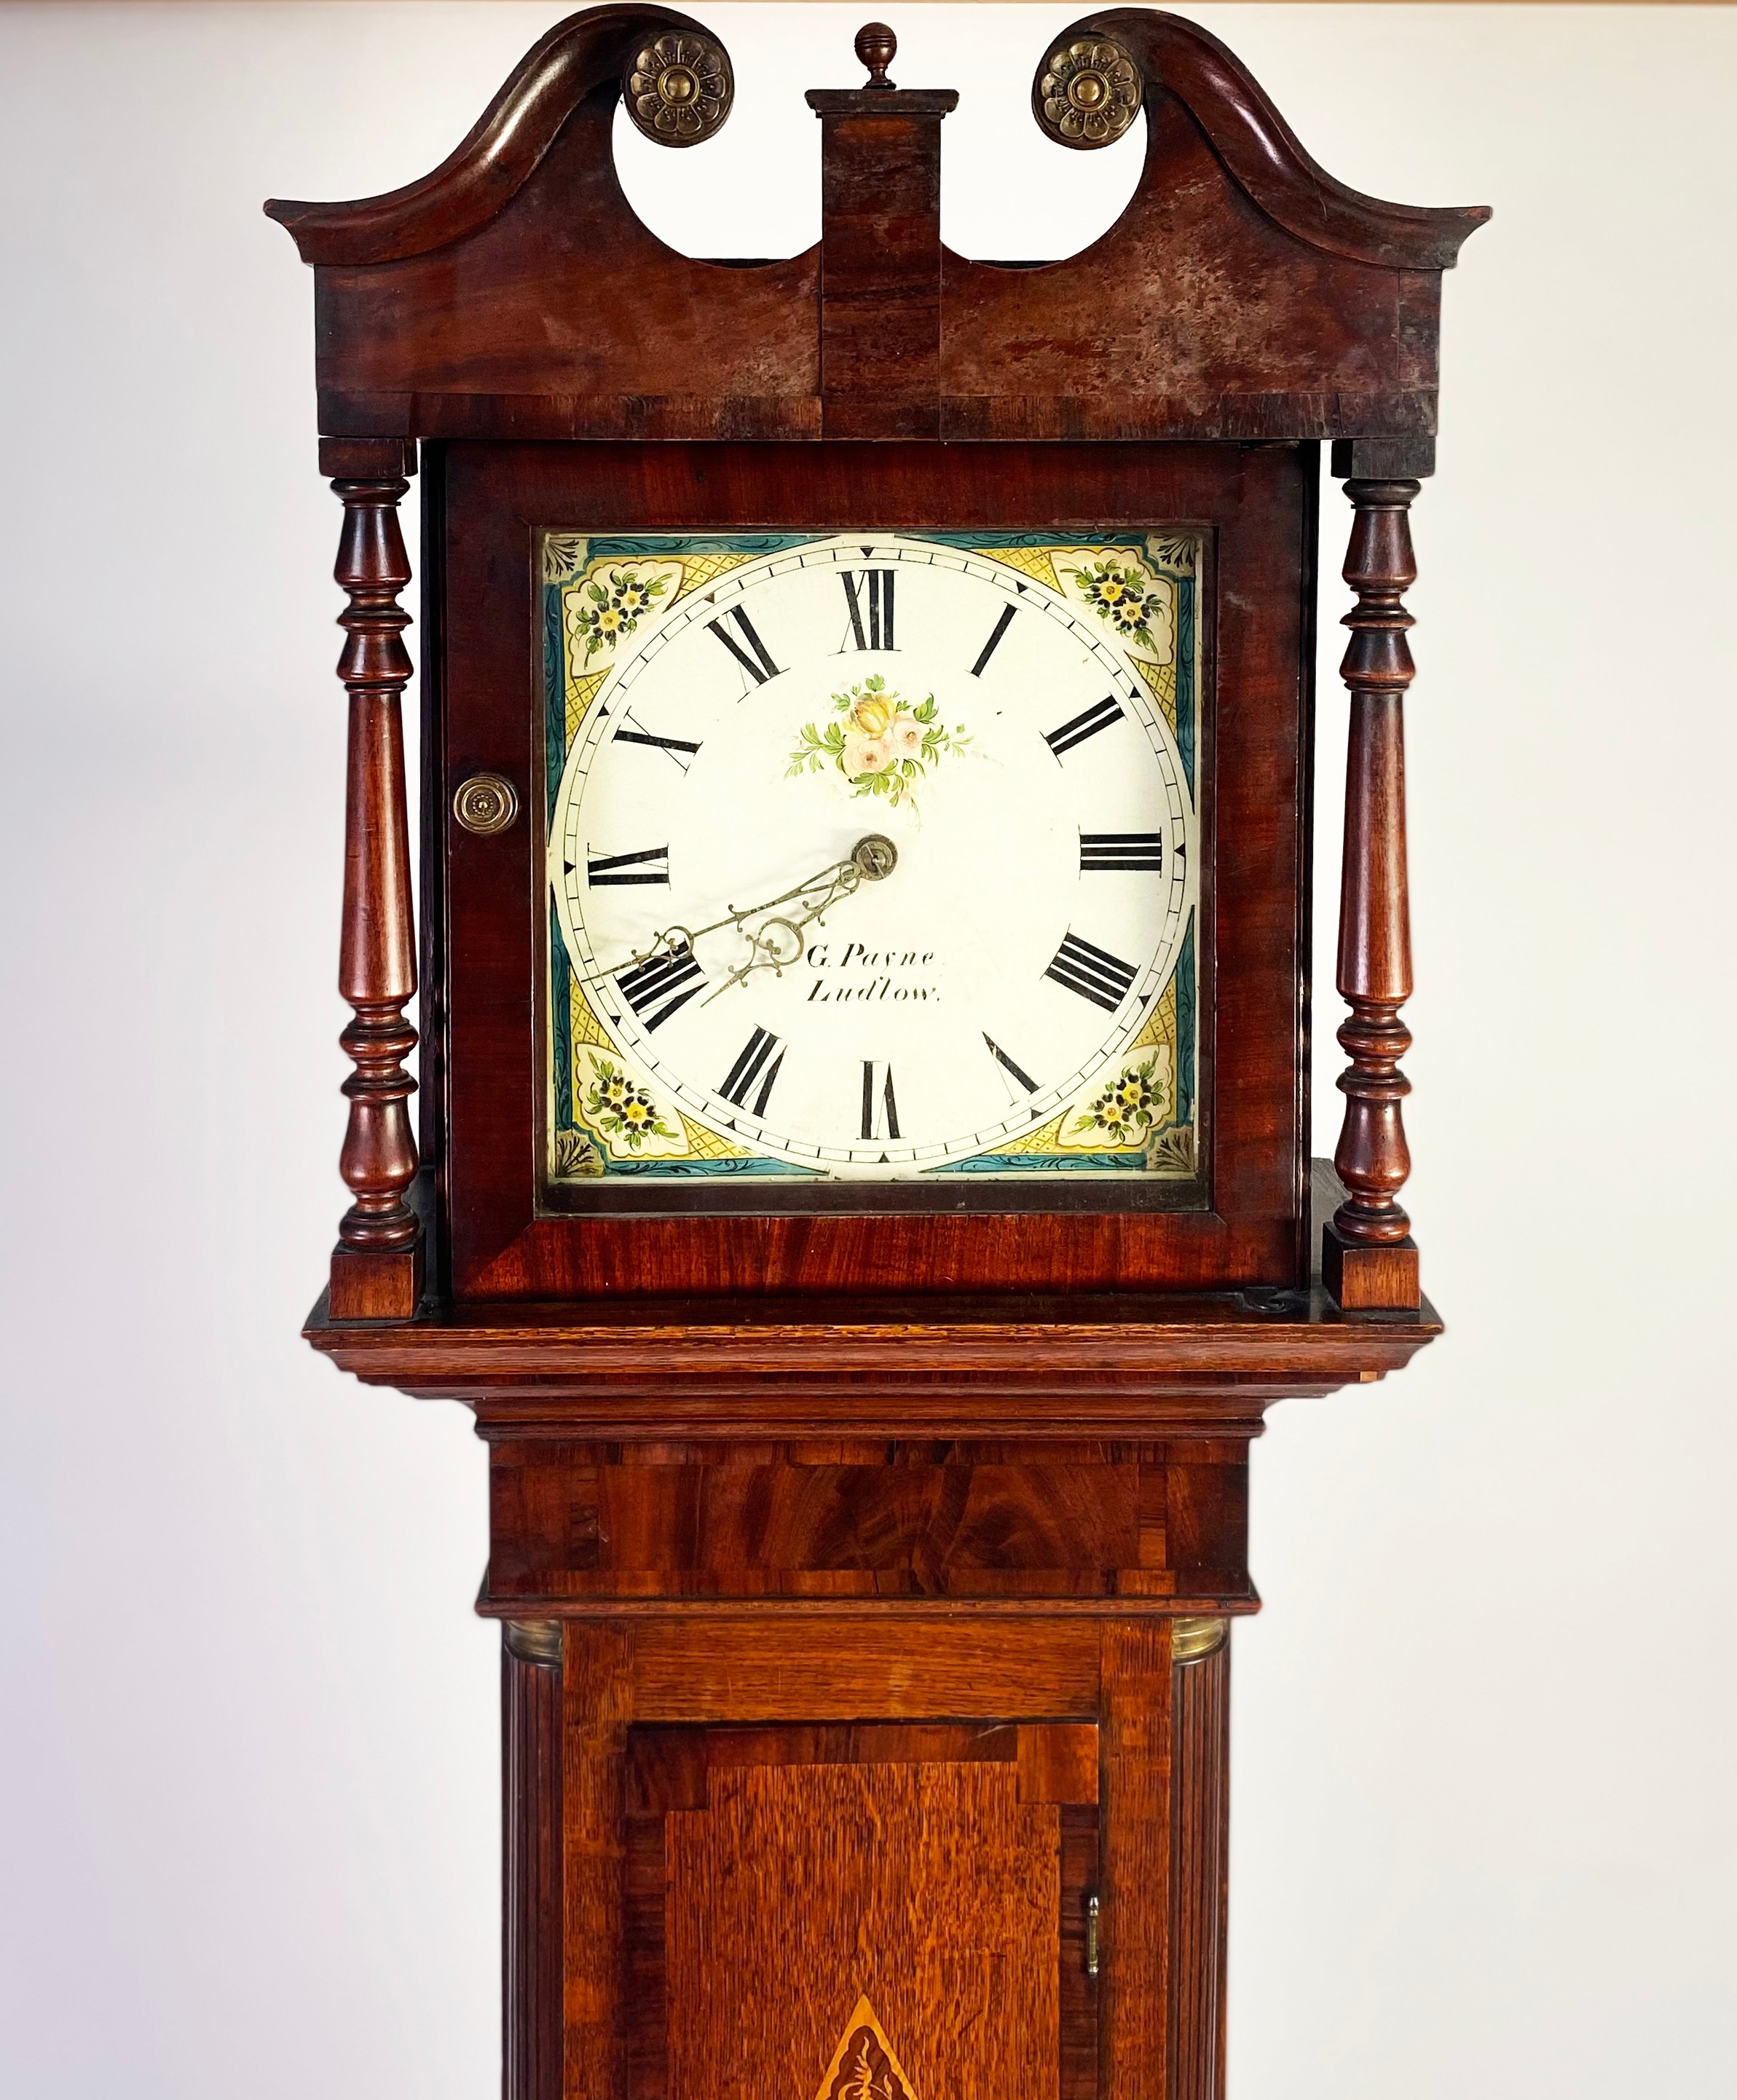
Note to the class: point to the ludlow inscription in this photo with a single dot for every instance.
(860, 973)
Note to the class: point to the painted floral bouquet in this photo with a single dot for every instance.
(881, 746)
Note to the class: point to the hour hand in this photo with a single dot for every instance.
(774, 930)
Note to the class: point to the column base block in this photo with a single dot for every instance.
(1370, 1279)
(387, 1286)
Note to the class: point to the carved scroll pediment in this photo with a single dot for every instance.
(1243, 294)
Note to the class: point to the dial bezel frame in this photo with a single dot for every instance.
(510, 1235)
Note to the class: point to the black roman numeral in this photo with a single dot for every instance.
(756, 659)
(1141, 850)
(674, 746)
(870, 597)
(1077, 731)
(661, 985)
(879, 1108)
(1095, 974)
(618, 871)
(990, 646)
(756, 1061)
(1007, 1065)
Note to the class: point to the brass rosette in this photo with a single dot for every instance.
(1086, 93)
(679, 90)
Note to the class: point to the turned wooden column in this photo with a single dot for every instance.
(1368, 1258)
(377, 1264)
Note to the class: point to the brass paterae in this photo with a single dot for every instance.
(1088, 92)
(679, 89)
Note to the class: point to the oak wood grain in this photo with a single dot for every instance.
(1137, 1861)
(770, 1668)
(674, 1768)
(598, 1707)
(932, 1889)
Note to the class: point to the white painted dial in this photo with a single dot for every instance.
(747, 740)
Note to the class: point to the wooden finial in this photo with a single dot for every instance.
(877, 46)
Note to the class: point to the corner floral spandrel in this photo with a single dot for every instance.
(1125, 598)
(1122, 1112)
(611, 605)
(881, 746)
(626, 1115)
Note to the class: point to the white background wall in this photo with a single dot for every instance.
(1484, 1832)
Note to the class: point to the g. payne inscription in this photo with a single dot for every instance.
(862, 974)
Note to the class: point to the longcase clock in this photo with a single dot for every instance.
(864, 1183)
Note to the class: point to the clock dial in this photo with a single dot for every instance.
(871, 857)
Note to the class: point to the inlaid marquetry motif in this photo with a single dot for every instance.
(727, 719)
(864, 2066)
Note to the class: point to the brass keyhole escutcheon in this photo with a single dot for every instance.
(486, 803)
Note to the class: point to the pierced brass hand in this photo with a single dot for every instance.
(772, 930)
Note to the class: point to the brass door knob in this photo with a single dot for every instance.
(486, 803)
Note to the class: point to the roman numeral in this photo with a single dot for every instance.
(618, 871)
(1094, 973)
(880, 1110)
(1140, 850)
(869, 596)
(672, 747)
(1082, 726)
(990, 646)
(661, 985)
(1007, 1065)
(755, 659)
(756, 1062)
